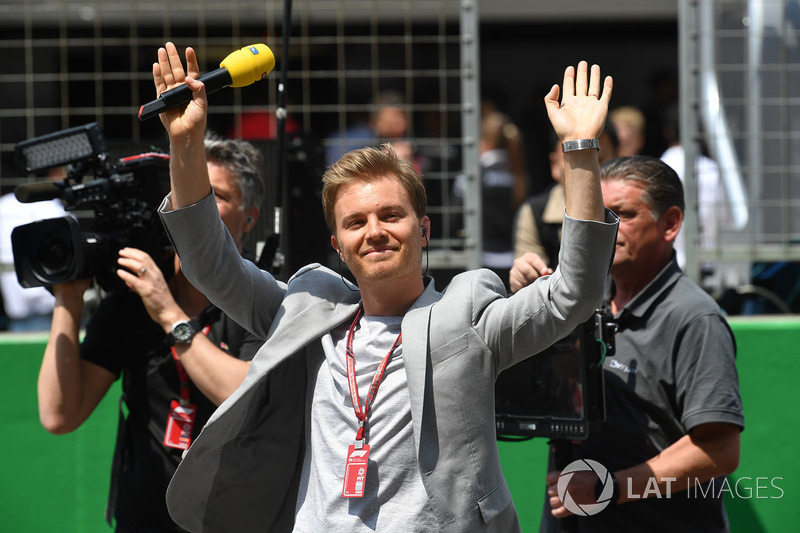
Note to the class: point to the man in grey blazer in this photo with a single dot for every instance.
(371, 408)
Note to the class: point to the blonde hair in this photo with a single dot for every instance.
(629, 115)
(368, 164)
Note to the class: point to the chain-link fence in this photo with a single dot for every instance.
(70, 63)
(740, 73)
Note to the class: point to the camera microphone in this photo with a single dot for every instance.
(37, 192)
(241, 68)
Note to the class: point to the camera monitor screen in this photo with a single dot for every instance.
(557, 393)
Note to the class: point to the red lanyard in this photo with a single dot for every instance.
(184, 377)
(376, 379)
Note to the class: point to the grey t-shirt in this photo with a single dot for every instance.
(394, 496)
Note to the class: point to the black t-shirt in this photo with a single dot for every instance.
(122, 338)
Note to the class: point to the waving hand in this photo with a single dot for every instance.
(583, 108)
(168, 72)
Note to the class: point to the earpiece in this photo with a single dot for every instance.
(249, 219)
(424, 233)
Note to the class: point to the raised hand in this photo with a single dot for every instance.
(168, 72)
(583, 108)
(581, 490)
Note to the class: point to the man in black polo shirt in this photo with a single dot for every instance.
(178, 358)
(674, 413)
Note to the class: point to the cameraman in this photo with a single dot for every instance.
(172, 370)
(674, 412)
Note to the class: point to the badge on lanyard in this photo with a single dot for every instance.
(180, 423)
(355, 472)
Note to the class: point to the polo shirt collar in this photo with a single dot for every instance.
(648, 296)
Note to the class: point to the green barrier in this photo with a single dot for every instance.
(49, 482)
(60, 483)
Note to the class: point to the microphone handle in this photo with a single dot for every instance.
(214, 81)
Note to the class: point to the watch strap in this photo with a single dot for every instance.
(193, 325)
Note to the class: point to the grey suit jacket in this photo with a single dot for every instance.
(242, 473)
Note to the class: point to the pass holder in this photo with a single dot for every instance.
(180, 423)
(355, 472)
(182, 413)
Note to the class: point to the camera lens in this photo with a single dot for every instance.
(47, 252)
(54, 255)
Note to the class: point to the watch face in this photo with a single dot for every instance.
(183, 332)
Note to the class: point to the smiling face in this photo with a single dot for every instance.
(378, 234)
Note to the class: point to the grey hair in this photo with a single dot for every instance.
(244, 161)
(662, 186)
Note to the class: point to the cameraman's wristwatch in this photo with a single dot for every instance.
(182, 332)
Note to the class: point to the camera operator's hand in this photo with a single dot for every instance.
(149, 283)
(168, 72)
(526, 269)
(581, 489)
(70, 294)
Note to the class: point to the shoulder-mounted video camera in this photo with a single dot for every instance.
(123, 195)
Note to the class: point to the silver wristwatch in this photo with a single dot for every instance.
(580, 144)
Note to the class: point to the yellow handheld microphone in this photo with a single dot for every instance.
(241, 68)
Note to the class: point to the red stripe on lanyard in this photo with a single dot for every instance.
(361, 414)
(182, 375)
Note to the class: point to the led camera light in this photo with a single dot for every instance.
(61, 148)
